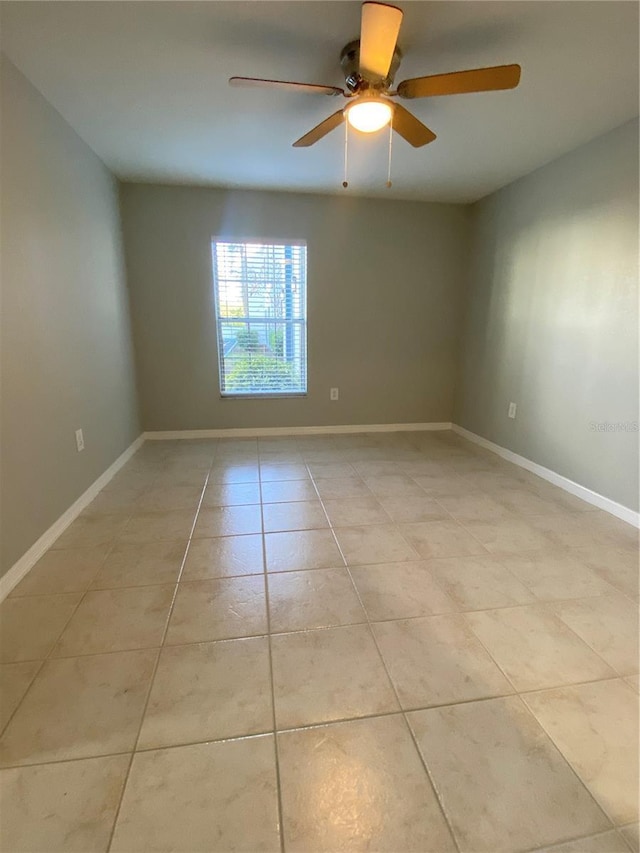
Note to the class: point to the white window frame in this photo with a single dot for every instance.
(303, 322)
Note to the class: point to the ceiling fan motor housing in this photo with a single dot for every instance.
(350, 64)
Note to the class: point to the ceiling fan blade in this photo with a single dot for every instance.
(379, 28)
(320, 130)
(410, 128)
(311, 88)
(461, 82)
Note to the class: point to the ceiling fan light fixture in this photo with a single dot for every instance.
(369, 114)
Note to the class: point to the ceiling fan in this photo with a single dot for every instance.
(369, 65)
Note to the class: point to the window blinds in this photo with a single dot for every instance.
(261, 314)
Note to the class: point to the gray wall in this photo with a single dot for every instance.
(66, 357)
(552, 316)
(384, 283)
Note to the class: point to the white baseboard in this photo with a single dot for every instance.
(620, 511)
(258, 432)
(31, 557)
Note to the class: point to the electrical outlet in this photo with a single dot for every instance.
(512, 410)
(79, 440)
(333, 394)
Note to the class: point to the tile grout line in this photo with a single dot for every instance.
(516, 694)
(156, 664)
(271, 683)
(561, 621)
(540, 602)
(399, 704)
(315, 725)
(519, 694)
(501, 558)
(547, 602)
(614, 829)
(569, 764)
(545, 606)
(15, 710)
(615, 675)
(44, 661)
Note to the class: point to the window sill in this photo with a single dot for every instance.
(285, 396)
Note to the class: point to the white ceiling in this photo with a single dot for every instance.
(145, 84)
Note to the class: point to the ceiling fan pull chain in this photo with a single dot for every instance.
(390, 147)
(345, 183)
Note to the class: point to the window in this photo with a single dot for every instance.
(261, 314)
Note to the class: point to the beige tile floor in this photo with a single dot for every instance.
(391, 642)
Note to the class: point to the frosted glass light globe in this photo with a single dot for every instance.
(369, 114)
